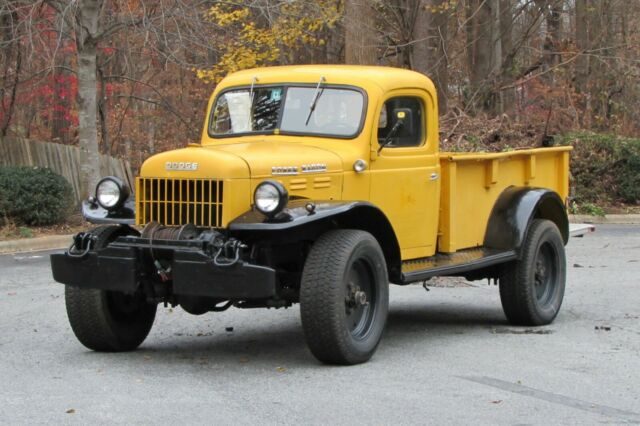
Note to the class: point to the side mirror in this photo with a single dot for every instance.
(402, 125)
(405, 117)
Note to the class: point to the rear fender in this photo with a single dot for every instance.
(513, 212)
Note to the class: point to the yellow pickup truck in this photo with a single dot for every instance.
(316, 185)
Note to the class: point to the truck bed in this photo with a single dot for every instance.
(471, 183)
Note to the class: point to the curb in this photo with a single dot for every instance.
(35, 244)
(610, 219)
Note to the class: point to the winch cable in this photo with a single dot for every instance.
(161, 271)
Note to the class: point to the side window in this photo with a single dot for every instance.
(410, 132)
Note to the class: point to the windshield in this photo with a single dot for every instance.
(338, 111)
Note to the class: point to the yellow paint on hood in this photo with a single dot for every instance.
(245, 160)
(262, 156)
(211, 164)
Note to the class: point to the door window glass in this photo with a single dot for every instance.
(401, 120)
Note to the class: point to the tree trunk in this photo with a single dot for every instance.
(361, 41)
(429, 53)
(507, 96)
(554, 32)
(496, 98)
(484, 54)
(605, 86)
(583, 44)
(11, 56)
(103, 113)
(86, 31)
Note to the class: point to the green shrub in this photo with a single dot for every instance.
(591, 209)
(33, 196)
(25, 232)
(605, 168)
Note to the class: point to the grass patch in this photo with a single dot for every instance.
(589, 209)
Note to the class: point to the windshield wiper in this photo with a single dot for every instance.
(254, 80)
(316, 96)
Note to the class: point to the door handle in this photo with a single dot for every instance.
(434, 176)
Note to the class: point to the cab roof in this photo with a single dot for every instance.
(385, 78)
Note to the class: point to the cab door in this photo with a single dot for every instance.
(405, 174)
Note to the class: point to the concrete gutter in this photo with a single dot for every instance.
(64, 241)
(34, 244)
(611, 219)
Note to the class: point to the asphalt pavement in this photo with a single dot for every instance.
(448, 357)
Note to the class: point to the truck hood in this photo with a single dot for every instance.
(246, 160)
(195, 162)
(263, 156)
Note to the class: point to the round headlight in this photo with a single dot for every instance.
(111, 193)
(270, 197)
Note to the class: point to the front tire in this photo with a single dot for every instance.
(344, 297)
(108, 321)
(532, 288)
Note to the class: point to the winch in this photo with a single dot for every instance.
(224, 251)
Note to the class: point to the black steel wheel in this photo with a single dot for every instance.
(344, 297)
(108, 321)
(532, 288)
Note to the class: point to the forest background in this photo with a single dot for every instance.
(131, 78)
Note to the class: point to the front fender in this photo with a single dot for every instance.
(297, 222)
(294, 215)
(93, 213)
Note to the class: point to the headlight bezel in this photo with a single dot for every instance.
(283, 197)
(123, 193)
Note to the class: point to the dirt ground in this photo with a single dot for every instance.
(72, 225)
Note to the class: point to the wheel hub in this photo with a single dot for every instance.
(544, 274)
(541, 272)
(355, 297)
(361, 298)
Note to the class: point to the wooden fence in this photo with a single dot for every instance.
(62, 159)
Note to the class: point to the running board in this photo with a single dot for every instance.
(452, 264)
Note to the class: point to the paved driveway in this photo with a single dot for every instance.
(448, 357)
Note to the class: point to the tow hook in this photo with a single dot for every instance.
(228, 253)
(81, 245)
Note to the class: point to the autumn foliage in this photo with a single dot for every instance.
(509, 73)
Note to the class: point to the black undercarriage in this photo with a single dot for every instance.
(201, 270)
(204, 270)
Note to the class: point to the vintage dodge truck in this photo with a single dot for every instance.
(317, 185)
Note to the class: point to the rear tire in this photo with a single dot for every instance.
(344, 297)
(108, 321)
(532, 288)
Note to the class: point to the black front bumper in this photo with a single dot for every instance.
(125, 264)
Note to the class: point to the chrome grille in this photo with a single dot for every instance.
(174, 202)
